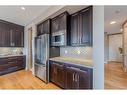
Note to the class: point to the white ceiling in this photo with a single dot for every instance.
(16, 15)
(23, 17)
(114, 13)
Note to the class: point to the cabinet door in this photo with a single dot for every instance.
(1, 35)
(83, 78)
(70, 78)
(57, 74)
(86, 27)
(53, 73)
(46, 27)
(4, 34)
(74, 29)
(63, 21)
(55, 25)
(39, 29)
(18, 36)
(7, 37)
(60, 75)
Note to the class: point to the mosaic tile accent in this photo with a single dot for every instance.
(6, 51)
(76, 52)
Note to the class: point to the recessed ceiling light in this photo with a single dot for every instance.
(121, 29)
(23, 8)
(117, 11)
(112, 22)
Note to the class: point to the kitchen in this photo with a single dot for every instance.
(62, 50)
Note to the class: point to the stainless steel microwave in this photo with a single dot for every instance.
(59, 38)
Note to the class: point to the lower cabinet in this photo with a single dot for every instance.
(71, 76)
(57, 74)
(78, 79)
(71, 82)
(11, 64)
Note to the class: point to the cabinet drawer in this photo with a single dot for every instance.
(3, 61)
(20, 58)
(10, 59)
(58, 64)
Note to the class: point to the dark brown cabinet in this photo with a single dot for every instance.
(4, 34)
(11, 35)
(57, 74)
(11, 64)
(43, 28)
(60, 23)
(70, 79)
(54, 25)
(17, 36)
(70, 76)
(77, 78)
(81, 28)
(60, 30)
(75, 29)
(39, 29)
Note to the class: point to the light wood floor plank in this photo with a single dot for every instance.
(23, 80)
(115, 77)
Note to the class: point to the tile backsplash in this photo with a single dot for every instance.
(6, 51)
(76, 52)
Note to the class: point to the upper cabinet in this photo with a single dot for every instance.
(59, 23)
(4, 34)
(81, 28)
(11, 35)
(60, 30)
(17, 36)
(43, 28)
(54, 25)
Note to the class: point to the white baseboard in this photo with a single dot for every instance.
(114, 61)
(105, 62)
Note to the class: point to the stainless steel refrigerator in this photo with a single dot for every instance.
(41, 67)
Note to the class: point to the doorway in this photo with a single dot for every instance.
(30, 53)
(115, 75)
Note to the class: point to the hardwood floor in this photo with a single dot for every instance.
(115, 77)
(23, 80)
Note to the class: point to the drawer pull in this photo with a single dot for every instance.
(77, 69)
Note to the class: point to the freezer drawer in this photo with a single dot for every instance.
(40, 72)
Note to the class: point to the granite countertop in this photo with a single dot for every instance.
(85, 63)
(4, 56)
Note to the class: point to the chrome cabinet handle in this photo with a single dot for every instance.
(73, 76)
(55, 71)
